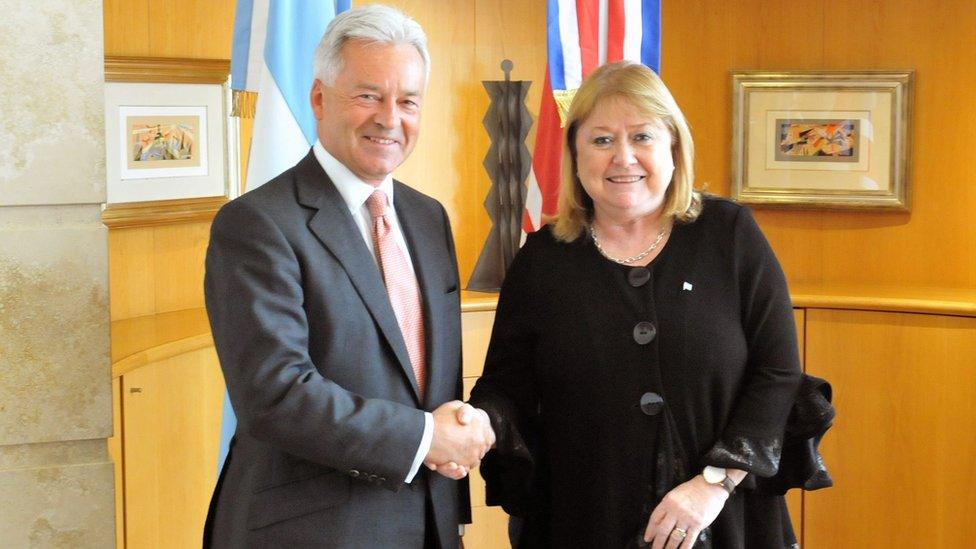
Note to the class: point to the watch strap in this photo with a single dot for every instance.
(728, 484)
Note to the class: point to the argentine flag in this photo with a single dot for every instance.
(274, 44)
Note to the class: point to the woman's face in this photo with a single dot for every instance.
(623, 159)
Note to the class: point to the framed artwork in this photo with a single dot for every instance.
(822, 139)
(163, 141)
(171, 146)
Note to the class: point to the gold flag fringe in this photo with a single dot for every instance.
(245, 103)
(563, 98)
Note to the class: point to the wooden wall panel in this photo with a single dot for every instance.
(156, 269)
(190, 28)
(704, 40)
(179, 251)
(132, 280)
(902, 451)
(168, 28)
(126, 27)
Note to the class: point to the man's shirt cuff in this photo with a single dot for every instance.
(424, 446)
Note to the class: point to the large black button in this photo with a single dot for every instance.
(651, 403)
(638, 276)
(644, 332)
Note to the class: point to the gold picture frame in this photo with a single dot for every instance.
(820, 139)
(190, 100)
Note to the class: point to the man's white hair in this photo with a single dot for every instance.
(375, 24)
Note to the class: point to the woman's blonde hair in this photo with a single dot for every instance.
(644, 90)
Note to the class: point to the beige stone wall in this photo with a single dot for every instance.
(55, 382)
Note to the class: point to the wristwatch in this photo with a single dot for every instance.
(719, 477)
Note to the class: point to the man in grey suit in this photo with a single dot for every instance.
(333, 296)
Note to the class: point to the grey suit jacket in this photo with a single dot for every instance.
(329, 417)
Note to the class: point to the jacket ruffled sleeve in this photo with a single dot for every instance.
(801, 465)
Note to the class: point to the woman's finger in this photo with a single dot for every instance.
(676, 537)
(661, 531)
(464, 414)
(656, 517)
(693, 534)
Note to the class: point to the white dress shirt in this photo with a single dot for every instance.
(354, 193)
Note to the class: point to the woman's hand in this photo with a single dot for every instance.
(450, 470)
(684, 512)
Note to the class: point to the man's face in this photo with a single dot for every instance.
(369, 118)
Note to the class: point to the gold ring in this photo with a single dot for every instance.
(681, 532)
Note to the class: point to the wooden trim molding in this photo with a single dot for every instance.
(892, 304)
(936, 301)
(161, 212)
(170, 70)
(161, 352)
(472, 301)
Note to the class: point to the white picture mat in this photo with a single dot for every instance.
(872, 171)
(153, 97)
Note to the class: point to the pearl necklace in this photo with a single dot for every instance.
(633, 258)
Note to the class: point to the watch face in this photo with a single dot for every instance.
(713, 475)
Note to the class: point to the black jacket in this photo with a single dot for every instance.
(565, 375)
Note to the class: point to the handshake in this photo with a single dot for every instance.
(462, 437)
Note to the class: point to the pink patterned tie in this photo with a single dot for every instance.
(401, 285)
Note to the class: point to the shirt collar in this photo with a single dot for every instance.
(354, 190)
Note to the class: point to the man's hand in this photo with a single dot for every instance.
(462, 436)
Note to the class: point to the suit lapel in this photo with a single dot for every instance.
(333, 225)
(422, 236)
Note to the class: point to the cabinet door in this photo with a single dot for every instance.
(171, 423)
(902, 450)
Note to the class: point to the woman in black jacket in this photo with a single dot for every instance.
(644, 358)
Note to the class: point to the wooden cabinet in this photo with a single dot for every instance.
(169, 394)
(902, 452)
